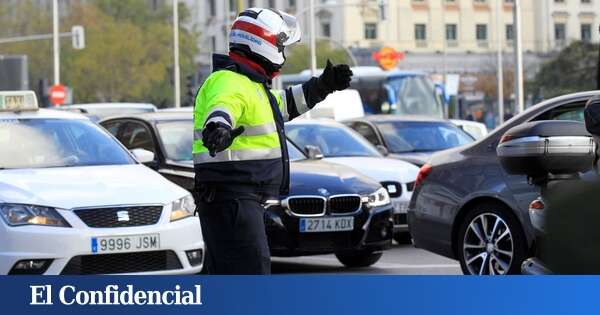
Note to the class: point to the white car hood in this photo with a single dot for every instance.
(380, 169)
(88, 186)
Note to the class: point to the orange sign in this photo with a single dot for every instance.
(388, 58)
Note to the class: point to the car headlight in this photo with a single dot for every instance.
(378, 198)
(183, 208)
(18, 214)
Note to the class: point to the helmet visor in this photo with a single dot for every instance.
(290, 28)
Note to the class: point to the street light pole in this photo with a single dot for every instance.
(176, 80)
(313, 39)
(56, 42)
(500, 66)
(519, 97)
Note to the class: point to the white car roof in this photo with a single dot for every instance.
(316, 121)
(42, 113)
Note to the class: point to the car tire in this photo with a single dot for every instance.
(359, 260)
(491, 241)
(403, 238)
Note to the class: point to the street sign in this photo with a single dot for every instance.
(58, 94)
(78, 36)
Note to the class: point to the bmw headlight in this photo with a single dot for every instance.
(183, 208)
(378, 198)
(18, 214)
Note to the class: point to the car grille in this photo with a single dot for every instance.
(122, 263)
(344, 204)
(394, 188)
(306, 205)
(120, 216)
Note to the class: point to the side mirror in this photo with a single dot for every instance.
(383, 150)
(143, 156)
(538, 148)
(313, 152)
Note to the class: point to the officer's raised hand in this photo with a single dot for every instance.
(335, 78)
(218, 137)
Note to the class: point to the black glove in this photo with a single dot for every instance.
(218, 137)
(335, 78)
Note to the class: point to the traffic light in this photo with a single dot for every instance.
(78, 36)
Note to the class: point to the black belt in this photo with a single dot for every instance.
(209, 192)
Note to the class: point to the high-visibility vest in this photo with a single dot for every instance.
(235, 100)
(235, 96)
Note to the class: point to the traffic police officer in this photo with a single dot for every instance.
(240, 153)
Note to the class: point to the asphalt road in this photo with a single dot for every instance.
(400, 259)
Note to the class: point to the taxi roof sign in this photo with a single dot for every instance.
(17, 101)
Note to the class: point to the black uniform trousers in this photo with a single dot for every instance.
(234, 233)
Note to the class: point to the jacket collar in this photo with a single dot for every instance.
(224, 62)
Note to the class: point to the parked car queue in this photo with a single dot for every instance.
(511, 238)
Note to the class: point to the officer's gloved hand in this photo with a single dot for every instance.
(218, 137)
(335, 78)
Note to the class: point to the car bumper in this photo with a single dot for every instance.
(69, 249)
(400, 208)
(372, 232)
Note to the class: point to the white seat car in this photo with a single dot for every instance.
(73, 200)
(340, 144)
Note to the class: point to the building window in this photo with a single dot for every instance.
(510, 32)
(370, 31)
(272, 4)
(560, 31)
(586, 1)
(586, 32)
(326, 29)
(450, 32)
(420, 32)
(251, 3)
(481, 32)
(292, 3)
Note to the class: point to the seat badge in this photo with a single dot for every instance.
(123, 216)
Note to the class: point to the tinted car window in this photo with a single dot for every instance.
(402, 137)
(366, 131)
(136, 136)
(566, 112)
(113, 127)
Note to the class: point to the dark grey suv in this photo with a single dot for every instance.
(468, 208)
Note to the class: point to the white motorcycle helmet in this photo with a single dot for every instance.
(264, 34)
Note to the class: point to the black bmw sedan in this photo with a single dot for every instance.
(330, 208)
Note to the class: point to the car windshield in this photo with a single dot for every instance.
(177, 138)
(333, 141)
(404, 137)
(39, 143)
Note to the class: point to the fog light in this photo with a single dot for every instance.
(194, 257)
(30, 267)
